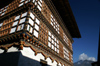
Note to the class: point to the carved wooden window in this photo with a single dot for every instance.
(66, 53)
(32, 16)
(15, 23)
(22, 2)
(24, 14)
(13, 30)
(22, 20)
(31, 22)
(36, 27)
(54, 24)
(29, 28)
(2, 13)
(38, 3)
(65, 38)
(53, 43)
(1, 24)
(37, 21)
(33, 25)
(17, 17)
(35, 33)
(19, 21)
(20, 27)
(49, 44)
(3, 10)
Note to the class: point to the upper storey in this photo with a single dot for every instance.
(50, 14)
(65, 12)
(15, 19)
(64, 9)
(9, 18)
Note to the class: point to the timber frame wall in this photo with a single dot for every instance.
(36, 24)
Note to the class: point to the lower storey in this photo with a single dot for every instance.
(26, 57)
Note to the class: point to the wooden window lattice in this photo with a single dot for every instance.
(46, 12)
(43, 33)
(8, 23)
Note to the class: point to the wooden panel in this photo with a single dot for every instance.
(13, 5)
(61, 51)
(70, 57)
(46, 12)
(61, 32)
(43, 33)
(6, 25)
(70, 44)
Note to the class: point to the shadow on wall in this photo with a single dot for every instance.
(17, 59)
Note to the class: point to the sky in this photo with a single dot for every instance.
(87, 16)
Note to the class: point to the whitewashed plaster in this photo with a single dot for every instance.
(28, 52)
(12, 49)
(49, 61)
(54, 63)
(59, 64)
(1, 51)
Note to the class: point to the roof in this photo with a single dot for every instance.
(64, 9)
(4, 3)
(65, 12)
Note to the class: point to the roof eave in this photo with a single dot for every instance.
(64, 9)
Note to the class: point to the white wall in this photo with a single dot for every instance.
(28, 52)
(1, 51)
(11, 49)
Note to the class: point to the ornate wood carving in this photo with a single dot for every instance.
(43, 33)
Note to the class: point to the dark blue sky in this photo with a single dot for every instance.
(87, 15)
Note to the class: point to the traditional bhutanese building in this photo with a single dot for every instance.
(37, 33)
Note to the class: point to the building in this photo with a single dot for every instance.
(37, 33)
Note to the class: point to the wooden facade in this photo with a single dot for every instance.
(35, 24)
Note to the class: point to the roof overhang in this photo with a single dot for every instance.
(64, 9)
(4, 3)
